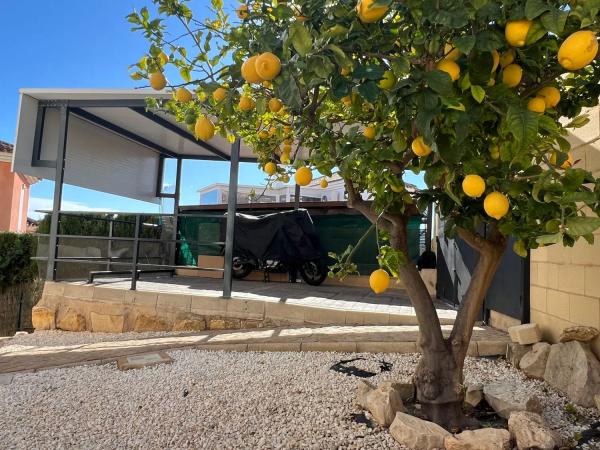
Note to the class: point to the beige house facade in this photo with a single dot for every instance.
(565, 282)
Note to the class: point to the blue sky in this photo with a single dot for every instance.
(76, 44)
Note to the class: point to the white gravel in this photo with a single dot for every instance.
(234, 401)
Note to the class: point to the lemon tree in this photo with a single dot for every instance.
(477, 96)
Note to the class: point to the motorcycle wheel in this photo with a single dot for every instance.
(240, 269)
(313, 272)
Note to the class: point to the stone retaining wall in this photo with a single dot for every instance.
(75, 307)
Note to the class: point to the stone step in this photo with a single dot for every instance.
(368, 339)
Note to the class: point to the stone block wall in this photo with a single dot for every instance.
(565, 282)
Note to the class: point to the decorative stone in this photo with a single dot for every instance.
(189, 325)
(573, 369)
(143, 360)
(514, 352)
(383, 403)
(71, 321)
(530, 432)
(417, 434)
(150, 323)
(473, 394)
(107, 323)
(504, 399)
(406, 390)
(364, 388)
(42, 318)
(579, 333)
(528, 333)
(483, 439)
(533, 364)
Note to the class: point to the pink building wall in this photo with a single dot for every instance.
(14, 199)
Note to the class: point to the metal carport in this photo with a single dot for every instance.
(113, 143)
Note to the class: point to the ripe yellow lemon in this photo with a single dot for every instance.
(158, 81)
(347, 100)
(367, 14)
(263, 134)
(272, 131)
(183, 95)
(287, 129)
(285, 178)
(324, 183)
(249, 71)
(300, 18)
(246, 103)
(388, 81)
(345, 71)
(204, 128)
(419, 147)
(565, 165)
(164, 58)
(516, 32)
(219, 94)
(473, 186)
(275, 105)
(496, 57)
(537, 105)
(496, 205)
(270, 168)
(507, 58)
(267, 66)
(287, 149)
(242, 12)
(379, 281)
(450, 67)
(284, 158)
(451, 52)
(511, 75)
(303, 176)
(369, 133)
(551, 96)
(578, 50)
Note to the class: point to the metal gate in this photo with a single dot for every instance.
(509, 292)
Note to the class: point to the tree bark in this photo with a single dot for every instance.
(439, 373)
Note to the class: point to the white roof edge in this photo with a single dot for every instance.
(91, 93)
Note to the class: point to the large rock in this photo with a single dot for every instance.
(515, 351)
(383, 403)
(529, 431)
(71, 321)
(473, 394)
(43, 318)
(417, 434)
(150, 323)
(579, 333)
(406, 390)
(533, 364)
(528, 333)
(107, 323)
(483, 439)
(573, 369)
(505, 399)
(364, 388)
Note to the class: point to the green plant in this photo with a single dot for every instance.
(455, 104)
(16, 265)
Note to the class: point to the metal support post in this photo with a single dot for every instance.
(136, 251)
(231, 207)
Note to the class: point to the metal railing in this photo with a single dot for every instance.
(136, 268)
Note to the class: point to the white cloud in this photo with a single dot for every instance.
(45, 204)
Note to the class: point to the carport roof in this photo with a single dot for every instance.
(123, 112)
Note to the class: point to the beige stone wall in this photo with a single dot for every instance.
(565, 282)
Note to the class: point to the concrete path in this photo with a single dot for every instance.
(370, 339)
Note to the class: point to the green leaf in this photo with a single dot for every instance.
(522, 124)
(535, 8)
(465, 43)
(478, 93)
(520, 248)
(301, 38)
(488, 40)
(338, 54)
(573, 197)
(439, 81)
(579, 226)
(536, 32)
(548, 239)
(288, 91)
(185, 74)
(369, 91)
(369, 71)
(480, 67)
(554, 20)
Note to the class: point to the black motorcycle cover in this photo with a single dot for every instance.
(287, 236)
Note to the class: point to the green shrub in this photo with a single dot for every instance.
(16, 265)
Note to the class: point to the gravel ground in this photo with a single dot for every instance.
(222, 400)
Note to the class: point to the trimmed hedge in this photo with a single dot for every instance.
(16, 265)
